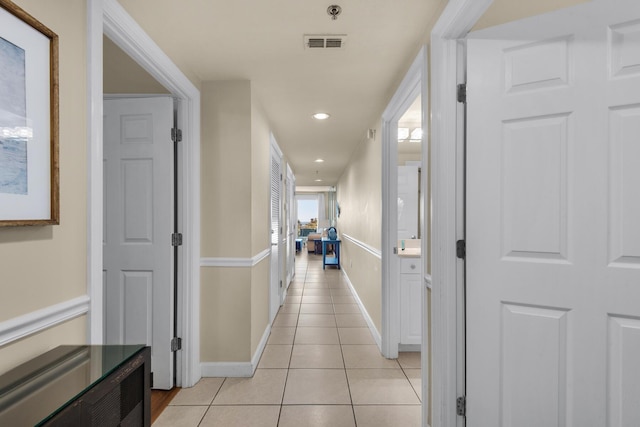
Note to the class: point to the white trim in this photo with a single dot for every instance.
(404, 96)
(372, 327)
(31, 323)
(95, 328)
(447, 369)
(110, 17)
(315, 189)
(237, 369)
(226, 369)
(235, 262)
(373, 251)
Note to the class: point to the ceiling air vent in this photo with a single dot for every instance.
(325, 42)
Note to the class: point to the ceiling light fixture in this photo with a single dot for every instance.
(318, 160)
(318, 180)
(333, 11)
(321, 116)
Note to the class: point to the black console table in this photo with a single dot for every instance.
(79, 386)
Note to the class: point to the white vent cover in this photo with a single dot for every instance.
(325, 41)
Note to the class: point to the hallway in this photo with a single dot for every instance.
(321, 367)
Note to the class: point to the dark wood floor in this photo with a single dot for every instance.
(160, 400)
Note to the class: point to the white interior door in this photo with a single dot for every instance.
(291, 225)
(276, 232)
(408, 202)
(553, 243)
(138, 266)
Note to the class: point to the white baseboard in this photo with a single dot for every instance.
(376, 334)
(261, 345)
(410, 347)
(226, 369)
(39, 320)
(236, 369)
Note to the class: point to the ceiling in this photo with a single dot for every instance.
(263, 41)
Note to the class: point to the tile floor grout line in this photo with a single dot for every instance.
(353, 410)
(286, 378)
(410, 383)
(312, 278)
(203, 415)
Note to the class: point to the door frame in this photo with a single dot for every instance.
(109, 18)
(413, 84)
(447, 309)
(277, 294)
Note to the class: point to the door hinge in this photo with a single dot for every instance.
(462, 93)
(461, 249)
(461, 406)
(176, 239)
(151, 379)
(176, 344)
(176, 135)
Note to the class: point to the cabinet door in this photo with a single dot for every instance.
(411, 313)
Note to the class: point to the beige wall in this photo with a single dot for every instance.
(71, 332)
(226, 169)
(260, 276)
(503, 11)
(123, 75)
(235, 221)
(46, 265)
(260, 170)
(225, 307)
(359, 193)
(409, 152)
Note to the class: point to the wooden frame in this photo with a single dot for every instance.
(29, 187)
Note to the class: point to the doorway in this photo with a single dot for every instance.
(109, 18)
(447, 131)
(402, 219)
(277, 234)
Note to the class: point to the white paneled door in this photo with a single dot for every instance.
(553, 220)
(138, 255)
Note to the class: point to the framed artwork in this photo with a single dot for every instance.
(29, 183)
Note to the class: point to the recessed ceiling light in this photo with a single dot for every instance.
(318, 160)
(318, 180)
(321, 116)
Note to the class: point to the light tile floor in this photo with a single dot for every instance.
(321, 367)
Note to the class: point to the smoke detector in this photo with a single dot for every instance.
(325, 41)
(333, 11)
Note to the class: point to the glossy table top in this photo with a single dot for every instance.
(38, 389)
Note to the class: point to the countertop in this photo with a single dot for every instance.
(409, 253)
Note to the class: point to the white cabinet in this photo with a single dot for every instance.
(410, 301)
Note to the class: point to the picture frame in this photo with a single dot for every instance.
(29, 169)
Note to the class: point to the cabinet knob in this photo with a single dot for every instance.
(413, 266)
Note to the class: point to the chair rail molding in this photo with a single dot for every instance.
(36, 321)
(235, 262)
(373, 251)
